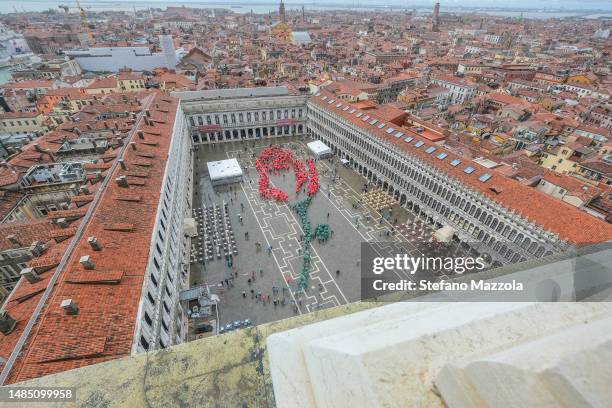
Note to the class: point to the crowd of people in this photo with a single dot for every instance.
(275, 160)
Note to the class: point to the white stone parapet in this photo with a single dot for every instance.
(396, 355)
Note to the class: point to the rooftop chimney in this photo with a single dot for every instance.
(14, 241)
(36, 249)
(37, 147)
(122, 181)
(95, 245)
(133, 145)
(7, 323)
(87, 262)
(69, 307)
(148, 113)
(61, 222)
(141, 134)
(83, 190)
(77, 131)
(30, 274)
(122, 164)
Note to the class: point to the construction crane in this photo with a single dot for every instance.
(84, 22)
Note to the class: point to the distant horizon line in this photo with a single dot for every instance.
(333, 5)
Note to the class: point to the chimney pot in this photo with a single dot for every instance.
(69, 307)
(61, 222)
(93, 241)
(122, 164)
(36, 249)
(14, 241)
(87, 262)
(133, 145)
(122, 181)
(7, 323)
(141, 134)
(83, 190)
(30, 274)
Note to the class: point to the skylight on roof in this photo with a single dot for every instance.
(339, 105)
(442, 156)
(399, 134)
(352, 110)
(365, 118)
(330, 101)
(469, 170)
(419, 143)
(373, 121)
(323, 97)
(345, 108)
(318, 93)
(390, 130)
(409, 139)
(382, 125)
(430, 150)
(484, 177)
(455, 162)
(359, 114)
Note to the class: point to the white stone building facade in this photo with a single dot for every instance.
(160, 314)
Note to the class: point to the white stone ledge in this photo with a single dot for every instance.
(568, 368)
(390, 356)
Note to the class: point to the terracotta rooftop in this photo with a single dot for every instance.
(109, 82)
(574, 187)
(108, 296)
(26, 233)
(568, 222)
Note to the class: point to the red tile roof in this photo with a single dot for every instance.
(574, 187)
(26, 232)
(108, 296)
(568, 222)
(104, 83)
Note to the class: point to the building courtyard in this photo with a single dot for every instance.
(260, 284)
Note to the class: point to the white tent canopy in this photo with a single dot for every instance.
(224, 172)
(444, 234)
(319, 149)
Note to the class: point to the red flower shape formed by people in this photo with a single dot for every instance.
(274, 160)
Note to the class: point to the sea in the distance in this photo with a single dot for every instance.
(264, 7)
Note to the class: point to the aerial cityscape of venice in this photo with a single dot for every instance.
(305, 204)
